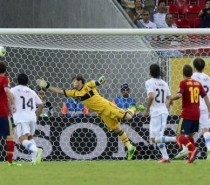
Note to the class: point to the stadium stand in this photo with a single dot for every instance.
(185, 12)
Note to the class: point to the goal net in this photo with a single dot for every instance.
(122, 56)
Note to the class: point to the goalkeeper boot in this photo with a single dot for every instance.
(140, 107)
(130, 153)
(13, 164)
(133, 109)
(39, 156)
(181, 154)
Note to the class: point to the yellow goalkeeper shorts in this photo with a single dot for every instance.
(112, 116)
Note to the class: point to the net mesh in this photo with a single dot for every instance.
(122, 59)
(107, 42)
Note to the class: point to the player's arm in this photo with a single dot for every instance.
(100, 81)
(56, 90)
(168, 97)
(39, 104)
(176, 97)
(179, 93)
(44, 84)
(205, 97)
(39, 110)
(172, 98)
(151, 97)
(168, 101)
(10, 97)
(94, 83)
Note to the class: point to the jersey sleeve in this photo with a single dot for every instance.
(194, 76)
(69, 93)
(92, 84)
(38, 101)
(181, 87)
(5, 82)
(149, 87)
(202, 91)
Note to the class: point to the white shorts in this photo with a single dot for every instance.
(204, 120)
(158, 125)
(26, 128)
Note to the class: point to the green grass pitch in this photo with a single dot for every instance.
(107, 173)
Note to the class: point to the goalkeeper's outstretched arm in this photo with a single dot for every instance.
(42, 83)
(100, 81)
(56, 90)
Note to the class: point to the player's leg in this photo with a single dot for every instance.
(38, 157)
(204, 126)
(194, 129)
(114, 126)
(206, 135)
(7, 132)
(184, 152)
(157, 127)
(124, 138)
(187, 128)
(130, 112)
(23, 131)
(162, 138)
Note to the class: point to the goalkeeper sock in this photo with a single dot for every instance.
(206, 136)
(10, 146)
(124, 138)
(131, 110)
(163, 151)
(165, 139)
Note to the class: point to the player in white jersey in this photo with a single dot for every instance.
(204, 121)
(158, 93)
(26, 116)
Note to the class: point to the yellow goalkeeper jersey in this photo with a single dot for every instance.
(89, 96)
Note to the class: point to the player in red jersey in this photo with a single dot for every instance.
(6, 130)
(190, 91)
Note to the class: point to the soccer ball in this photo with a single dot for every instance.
(2, 51)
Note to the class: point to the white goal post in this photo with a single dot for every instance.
(123, 56)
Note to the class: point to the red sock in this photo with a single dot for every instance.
(192, 140)
(185, 141)
(10, 146)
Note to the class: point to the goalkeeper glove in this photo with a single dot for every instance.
(42, 83)
(101, 80)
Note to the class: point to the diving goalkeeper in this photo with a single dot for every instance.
(89, 96)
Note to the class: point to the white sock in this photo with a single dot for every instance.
(165, 139)
(184, 148)
(206, 136)
(163, 151)
(31, 147)
(32, 140)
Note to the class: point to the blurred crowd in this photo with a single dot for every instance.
(168, 13)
